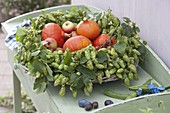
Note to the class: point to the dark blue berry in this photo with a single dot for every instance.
(95, 105)
(88, 107)
(108, 102)
(83, 102)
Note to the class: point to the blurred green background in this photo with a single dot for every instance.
(12, 8)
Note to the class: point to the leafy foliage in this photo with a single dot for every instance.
(68, 57)
(21, 32)
(128, 29)
(80, 69)
(120, 47)
(86, 72)
(40, 85)
(102, 56)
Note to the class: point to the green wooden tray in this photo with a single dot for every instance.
(51, 102)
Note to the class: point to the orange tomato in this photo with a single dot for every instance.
(88, 28)
(102, 39)
(76, 43)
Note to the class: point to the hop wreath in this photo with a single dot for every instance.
(113, 56)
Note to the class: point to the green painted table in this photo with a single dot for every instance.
(51, 102)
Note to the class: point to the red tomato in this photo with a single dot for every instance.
(53, 30)
(76, 43)
(102, 40)
(113, 40)
(88, 28)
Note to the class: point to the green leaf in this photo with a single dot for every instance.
(32, 47)
(39, 66)
(98, 16)
(72, 77)
(101, 56)
(86, 80)
(74, 8)
(43, 12)
(126, 19)
(40, 85)
(76, 81)
(50, 17)
(136, 29)
(35, 53)
(120, 38)
(50, 73)
(83, 60)
(66, 73)
(86, 72)
(67, 57)
(32, 21)
(86, 8)
(120, 47)
(43, 54)
(127, 30)
(20, 34)
(31, 69)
